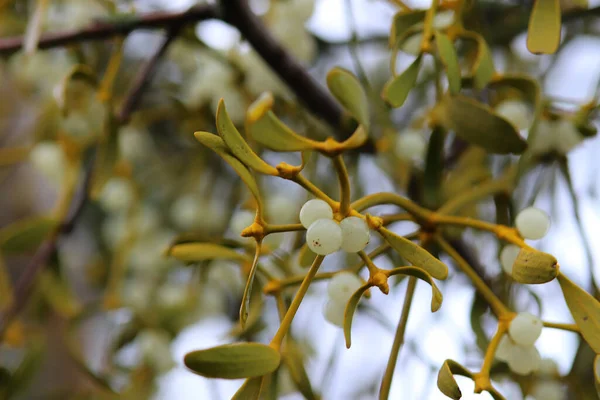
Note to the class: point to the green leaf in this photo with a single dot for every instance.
(234, 361)
(478, 125)
(534, 267)
(396, 90)
(529, 88)
(217, 144)
(543, 34)
(415, 254)
(349, 92)
(294, 361)
(269, 131)
(436, 295)
(482, 71)
(237, 145)
(26, 235)
(446, 382)
(449, 58)
(349, 312)
(250, 390)
(357, 139)
(403, 21)
(194, 252)
(59, 295)
(585, 310)
(434, 170)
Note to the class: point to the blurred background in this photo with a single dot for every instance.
(110, 310)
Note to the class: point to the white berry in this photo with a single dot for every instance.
(443, 19)
(532, 223)
(548, 390)
(117, 194)
(548, 368)
(355, 234)
(516, 112)
(412, 45)
(313, 210)
(333, 311)
(524, 360)
(508, 255)
(411, 145)
(188, 212)
(281, 209)
(324, 236)
(505, 348)
(525, 329)
(342, 285)
(240, 221)
(567, 136)
(49, 158)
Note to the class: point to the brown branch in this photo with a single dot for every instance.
(109, 29)
(40, 259)
(143, 78)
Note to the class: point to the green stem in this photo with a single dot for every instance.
(564, 327)
(386, 383)
(283, 228)
(344, 180)
(375, 199)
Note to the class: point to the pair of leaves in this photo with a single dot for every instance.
(234, 361)
(585, 310)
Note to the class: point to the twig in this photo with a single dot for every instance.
(108, 29)
(143, 78)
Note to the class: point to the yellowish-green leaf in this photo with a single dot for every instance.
(292, 357)
(415, 254)
(396, 90)
(194, 252)
(250, 390)
(25, 235)
(478, 125)
(245, 307)
(529, 88)
(403, 21)
(59, 295)
(349, 312)
(585, 310)
(306, 256)
(350, 93)
(269, 131)
(436, 295)
(217, 144)
(448, 56)
(534, 267)
(357, 139)
(237, 145)
(482, 70)
(543, 35)
(446, 382)
(597, 373)
(234, 361)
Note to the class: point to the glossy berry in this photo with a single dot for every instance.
(324, 236)
(532, 223)
(333, 311)
(355, 234)
(313, 210)
(411, 145)
(117, 194)
(48, 158)
(342, 285)
(508, 255)
(548, 368)
(505, 348)
(524, 360)
(548, 390)
(525, 329)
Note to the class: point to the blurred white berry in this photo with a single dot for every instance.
(532, 223)
(567, 136)
(355, 234)
(412, 45)
(155, 349)
(548, 368)
(410, 145)
(516, 112)
(172, 296)
(114, 229)
(282, 209)
(187, 212)
(548, 390)
(342, 285)
(49, 158)
(146, 220)
(241, 220)
(134, 144)
(542, 140)
(117, 194)
(324, 236)
(443, 19)
(333, 311)
(147, 254)
(524, 360)
(505, 348)
(525, 329)
(313, 210)
(508, 255)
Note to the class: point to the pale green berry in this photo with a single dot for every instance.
(542, 141)
(548, 390)
(241, 220)
(155, 349)
(443, 19)
(516, 112)
(49, 158)
(524, 360)
(172, 297)
(282, 209)
(508, 255)
(412, 45)
(313, 210)
(532, 223)
(410, 145)
(333, 311)
(567, 136)
(525, 329)
(548, 368)
(355, 234)
(114, 230)
(117, 194)
(134, 144)
(342, 285)
(324, 236)
(188, 212)
(505, 348)
(148, 253)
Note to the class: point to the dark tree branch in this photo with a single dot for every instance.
(106, 30)
(143, 78)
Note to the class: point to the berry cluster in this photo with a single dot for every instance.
(339, 291)
(325, 235)
(517, 348)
